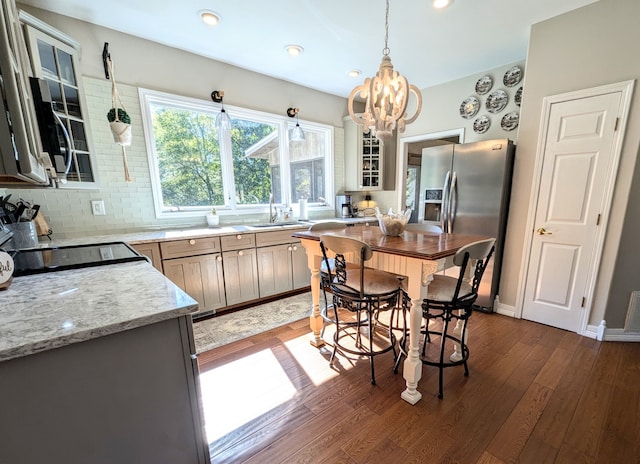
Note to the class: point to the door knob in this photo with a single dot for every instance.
(543, 231)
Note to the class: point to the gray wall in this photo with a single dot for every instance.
(591, 46)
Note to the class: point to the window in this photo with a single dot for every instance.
(194, 167)
(54, 58)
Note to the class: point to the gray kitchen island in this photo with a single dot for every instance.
(97, 366)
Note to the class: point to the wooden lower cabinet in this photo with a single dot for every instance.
(300, 265)
(240, 275)
(282, 268)
(151, 251)
(201, 277)
(274, 270)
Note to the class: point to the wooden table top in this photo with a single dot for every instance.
(424, 245)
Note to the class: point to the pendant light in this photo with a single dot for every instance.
(386, 96)
(223, 121)
(297, 134)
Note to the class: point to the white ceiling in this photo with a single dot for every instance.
(428, 46)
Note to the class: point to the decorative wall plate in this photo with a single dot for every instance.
(482, 124)
(469, 107)
(483, 85)
(512, 76)
(496, 101)
(518, 97)
(510, 121)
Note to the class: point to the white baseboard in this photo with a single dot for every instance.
(612, 335)
(505, 310)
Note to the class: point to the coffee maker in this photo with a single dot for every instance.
(344, 206)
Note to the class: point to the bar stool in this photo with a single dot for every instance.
(362, 292)
(326, 267)
(451, 298)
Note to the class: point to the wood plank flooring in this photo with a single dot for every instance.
(535, 394)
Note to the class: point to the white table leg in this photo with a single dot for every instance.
(314, 258)
(412, 370)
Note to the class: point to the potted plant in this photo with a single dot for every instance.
(120, 123)
(212, 218)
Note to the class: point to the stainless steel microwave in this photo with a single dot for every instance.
(23, 121)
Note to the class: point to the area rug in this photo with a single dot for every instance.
(227, 328)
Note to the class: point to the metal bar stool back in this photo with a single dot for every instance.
(450, 298)
(360, 293)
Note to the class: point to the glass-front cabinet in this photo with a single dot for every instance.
(364, 159)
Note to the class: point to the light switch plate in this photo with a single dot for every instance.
(97, 207)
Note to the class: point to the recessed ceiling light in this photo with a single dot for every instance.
(294, 50)
(211, 18)
(354, 73)
(442, 3)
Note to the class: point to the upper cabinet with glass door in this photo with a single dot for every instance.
(54, 58)
(364, 158)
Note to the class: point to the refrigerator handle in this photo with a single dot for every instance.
(444, 208)
(453, 202)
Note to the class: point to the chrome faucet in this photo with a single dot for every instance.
(272, 216)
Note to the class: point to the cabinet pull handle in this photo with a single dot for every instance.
(192, 242)
(239, 237)
(219, 258)
(295, 247)
(240, 253)
(289, 249)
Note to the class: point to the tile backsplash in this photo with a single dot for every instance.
(129, 206)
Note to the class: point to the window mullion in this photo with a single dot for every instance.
(285, 165)
(226, 160)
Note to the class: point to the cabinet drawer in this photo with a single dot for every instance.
(278, 237)
(238, 242)
(189, 247)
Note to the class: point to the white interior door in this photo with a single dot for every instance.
(578, 160)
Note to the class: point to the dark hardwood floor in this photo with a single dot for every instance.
(535, 394)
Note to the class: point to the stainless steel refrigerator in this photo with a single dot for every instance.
(465, 189)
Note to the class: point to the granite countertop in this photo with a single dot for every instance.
(147, 236)
(45, 311)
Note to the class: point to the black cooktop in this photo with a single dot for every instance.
(39, 260)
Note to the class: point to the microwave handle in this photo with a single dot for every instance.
(67, 140)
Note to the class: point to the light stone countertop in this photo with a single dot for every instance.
(147, 236)
(46, 311)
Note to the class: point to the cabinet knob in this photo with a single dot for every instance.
(239, 237)
(192, 242)
(295, 247)
(289, 249)
(240, 253)
(219, 258)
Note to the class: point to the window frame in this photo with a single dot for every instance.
(34, 30)
(283, 123)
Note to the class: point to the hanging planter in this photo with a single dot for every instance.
(119, 122)
(120, 126)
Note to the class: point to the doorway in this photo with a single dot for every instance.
(409, 161)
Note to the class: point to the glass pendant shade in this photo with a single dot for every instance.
(297, 134)
(386, 96)
(223, 121)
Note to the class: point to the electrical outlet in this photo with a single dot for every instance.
(97, 207)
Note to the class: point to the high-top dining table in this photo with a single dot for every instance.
(415, 255)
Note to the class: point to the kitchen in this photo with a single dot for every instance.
(560, 59)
